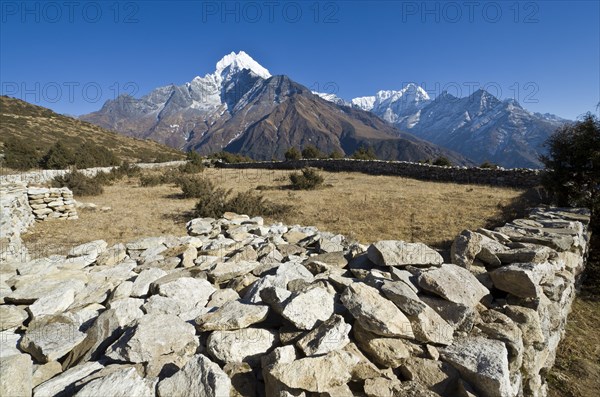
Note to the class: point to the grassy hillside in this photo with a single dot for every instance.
(41, 128)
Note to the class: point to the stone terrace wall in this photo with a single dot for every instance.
(517, 178)
(242, 308)
(15, 218)
(52, 203)
(43, 176)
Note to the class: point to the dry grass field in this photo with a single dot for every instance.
(366, 208)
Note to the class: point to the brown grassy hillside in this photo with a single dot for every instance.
(41, 128)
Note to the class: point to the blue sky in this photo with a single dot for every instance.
(72, 57)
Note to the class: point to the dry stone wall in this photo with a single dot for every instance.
(15, 218)
(52, 203)
(241, 308)
(517, 178)
(43, 176)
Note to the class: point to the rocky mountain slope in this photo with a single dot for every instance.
(480, 126)
(41, 128)
(242, 108)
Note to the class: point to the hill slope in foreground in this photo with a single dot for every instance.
(41, 128)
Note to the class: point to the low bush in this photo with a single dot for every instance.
(215, 201)
(227, 157)
(336, 154)
(80, 184)
(442, 161)
(292, 154)
(164, 158)
(487, 164)
(364, 153)
(196, 187)
(252, 204)
(164, 178)
(311, 152)
(308, 179)
(194, 164)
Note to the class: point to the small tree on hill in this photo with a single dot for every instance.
(58, 157)
(364, 153)
(441, 160)
(292, 154)
(19, 155)
(336, 154)
(573, 165)
(311, 152)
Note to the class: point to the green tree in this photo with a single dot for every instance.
(364, 153)
(572, 164)
(311, 152)
(19, 155)
(91, 155)
(336, 154)
(58, 157)
(487, 164)
(441, 160)
(292, 154)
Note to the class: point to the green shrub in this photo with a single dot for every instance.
(213, 200)
(194, 164)
(91, 155)
(227, 157)
(80, 184)
(151, 180)
(195, 187)
(487, 164)
(164, 158)
(311, 152)
(308, 179)
(442, 161)
(336, 154)
(292, 154)
(127, 169)
(58, 157)
(19, 155)
(164, 178)
(364, 153)
(252, 204)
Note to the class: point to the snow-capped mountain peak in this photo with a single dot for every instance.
(232, 63)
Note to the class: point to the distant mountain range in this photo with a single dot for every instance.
(243, 109)
(480, 126)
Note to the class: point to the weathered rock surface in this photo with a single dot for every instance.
(231, 316)
(320, 374)
(522, 279)
(121, 383)
(16, 378)
(376, 313)
(483, 363)
(200, 377)
(453, 283)
(327, 337)
(319, 315)
(400, 253)
(51, 337)
(154, 336)
(247, 344)
(11, 316)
